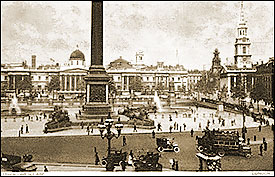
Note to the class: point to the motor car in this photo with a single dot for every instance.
(116, 157)
(148, 162)
(167, 144)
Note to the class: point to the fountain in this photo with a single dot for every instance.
(157, 101)
(14, 109)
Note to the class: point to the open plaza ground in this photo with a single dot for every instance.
(76, 146)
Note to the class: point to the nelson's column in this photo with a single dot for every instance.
(96, 106)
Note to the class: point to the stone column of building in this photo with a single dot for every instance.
(122, 82)
(75, 83)
(127, 84)
(65, 82)
(96, 106)
(228, 85)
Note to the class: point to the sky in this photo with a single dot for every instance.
(178, 32)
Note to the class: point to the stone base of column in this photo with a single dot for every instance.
(95, 111)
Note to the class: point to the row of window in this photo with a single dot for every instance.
(148, 78)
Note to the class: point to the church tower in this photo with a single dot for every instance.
(242, 58)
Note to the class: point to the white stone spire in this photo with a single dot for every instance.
(242, 13)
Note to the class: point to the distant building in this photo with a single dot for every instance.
(242, 60)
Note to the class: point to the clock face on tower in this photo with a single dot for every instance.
(97, 93)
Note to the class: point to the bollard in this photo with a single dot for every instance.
(254, 137)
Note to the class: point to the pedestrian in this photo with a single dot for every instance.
(267, 123)
(260, 128)
(153, 134)
(265, 146)
(248, 141)
(175, 125)
(130, 158)
(184, 126)
(135, 128)
(19, 133)
(22, 129)
(79, 112)
(170, 118)
(199, 125)
(40, 118)
(36, 117)
(177, 166)
(81, 124)
(123, 166)
(27, 128)
(45, 169)
(159, 127)
(213, 121)
(172, 163)
(194, 119)
(92, 129)
(180, 128)
(170, 129)
(88, 129)
(124, 141)
(192, 132)
(45, 116)
(162, 116)
(96, 158)
(261, 150)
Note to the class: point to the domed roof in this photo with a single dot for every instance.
(77, 54)
(120, 63)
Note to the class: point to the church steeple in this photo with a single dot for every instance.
(242, 43)
(242, 13)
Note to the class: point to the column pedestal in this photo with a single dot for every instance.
(97, 105)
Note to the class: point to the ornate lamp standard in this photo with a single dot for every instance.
(109, 134)
(243, 105)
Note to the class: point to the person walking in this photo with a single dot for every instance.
(22, 129)
(170, 128)
(19, 133)
(170, 118)
(177, 166)
(261, 150)
(45, 169)
(130, 158)
(88, 129)
(27, 128)
(260, 128)
(96, 158)
(124, 141)
(265, 146)
(192, 132)
(199, 125)
(135, 128)
(153, 134)
(159, 127)
(184, 126)
(92, 129)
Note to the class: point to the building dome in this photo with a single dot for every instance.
(77, 54)
(119, 64)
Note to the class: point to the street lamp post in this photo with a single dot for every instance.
(109, 134)
(244, 128)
